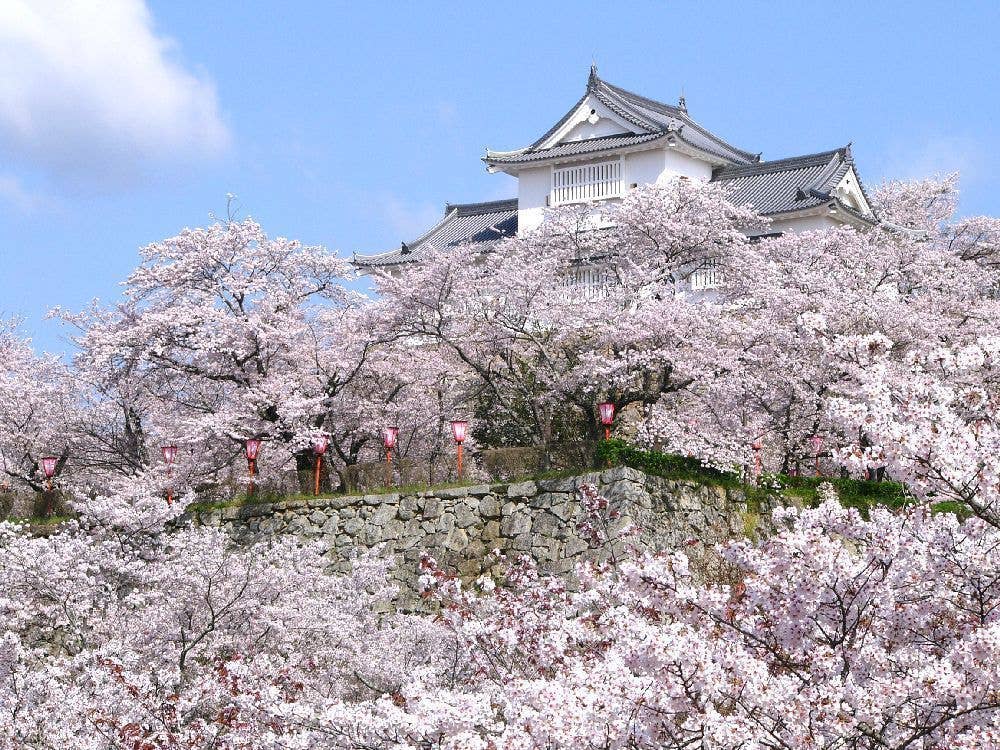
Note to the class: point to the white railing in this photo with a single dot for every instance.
(587, 182)
(709, 276)
(585, 284)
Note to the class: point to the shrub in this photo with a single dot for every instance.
(853, 493)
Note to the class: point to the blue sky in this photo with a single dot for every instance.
(350, 125)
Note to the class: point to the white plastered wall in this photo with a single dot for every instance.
(804, 223)
(650, 167)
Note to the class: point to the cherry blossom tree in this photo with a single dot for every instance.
(225, 334)
(117, 633)
(804, 313)
(839, 632)
(933, 421)
(588, 306)
(38, 410)
(836, 631)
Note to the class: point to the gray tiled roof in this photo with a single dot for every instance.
(652, 120)
(783, 185)
(575, 148)
(462, 222)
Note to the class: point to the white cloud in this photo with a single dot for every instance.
(14, 193)
(89, 93)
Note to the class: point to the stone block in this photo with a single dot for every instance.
(451, 493)
(383, 514)
(432, 508)
(466, 515)
(619, 474)
(574, 547)
(230, 514)
(491, 534)
(470, 568)
(475, 549)
(565, 484)
(445, 523)
(344, 501)
(393, 530)
(522, 489)
(489, 507)
(516, 523)
(544, 524)
(268, 525)
(522, 542)
(456, 541)
(407, 508)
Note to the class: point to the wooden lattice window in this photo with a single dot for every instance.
(587, 182)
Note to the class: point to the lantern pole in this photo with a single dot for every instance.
(169, 454)
(320, 444)
(817, 445)
(49, 468)
(252, 448)
(606, 411)
(458, 430)
(757, 445)
(389, 439)
(319, 468)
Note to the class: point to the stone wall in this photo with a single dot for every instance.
(460, 526)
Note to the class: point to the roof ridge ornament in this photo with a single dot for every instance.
(592, 79)
(682, 102)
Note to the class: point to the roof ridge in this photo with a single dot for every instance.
(829, 172)
(669, 108)
(621, 108)
(562, 121)
(449, 213)
(609, 137)
(672, 111)
(601, 144)
(481, 207)
(783, 164)
(648, 115)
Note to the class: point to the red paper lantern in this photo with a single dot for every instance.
(320, 444)
(458, 429)
(607, 410)
(169, 453)
(253, 448)
(390, 437)
(49, 466)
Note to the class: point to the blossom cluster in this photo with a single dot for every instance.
(838, 631)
